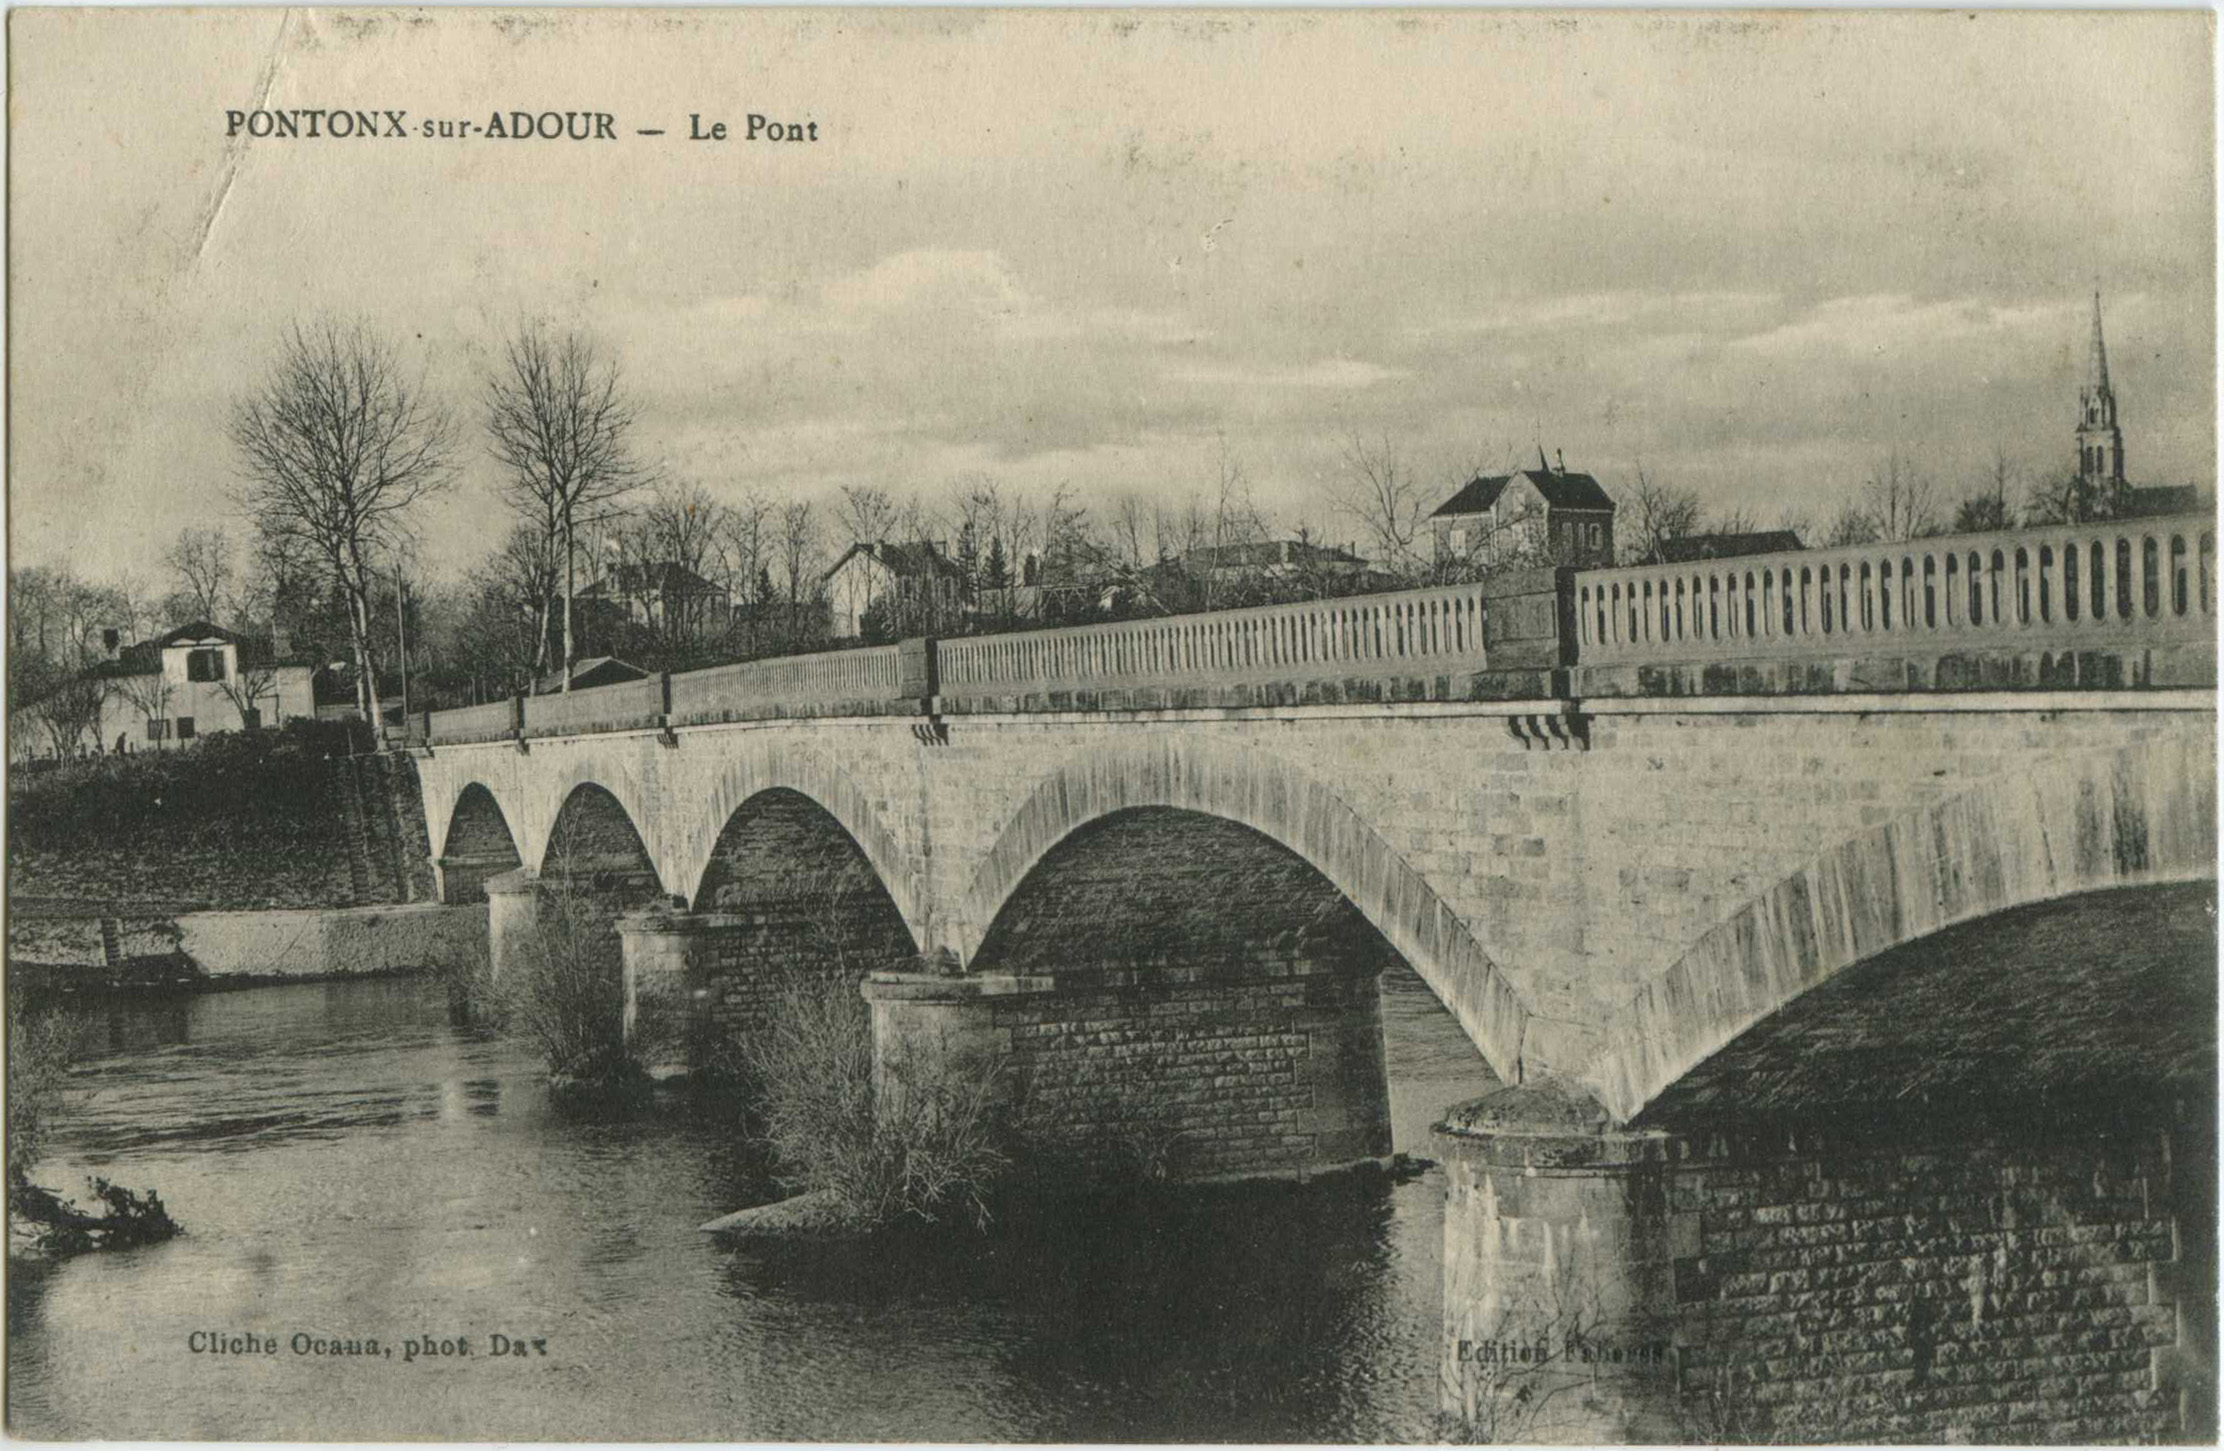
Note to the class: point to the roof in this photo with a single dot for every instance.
(2149, 500)
(144, 657)
(594, 670)
(1724, 546)
(905, 561)
(658, 577)
(1561, 490)
(198, 632)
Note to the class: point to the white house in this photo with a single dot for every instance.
(197, 679)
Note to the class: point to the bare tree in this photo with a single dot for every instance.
(1849, 526)
(797, 545)
(2066, 498)
(743, 549)
(338, 449)
(1383, 497)
(868, 515)
(201, 560)
(70, 712)
(1901, 502)
(150, 696)
(1735, 521)
(562, 432)
(247, 689)
(1989, 508)
(682, 525)
(1652, 514)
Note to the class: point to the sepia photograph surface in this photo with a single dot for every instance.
(1095, 727)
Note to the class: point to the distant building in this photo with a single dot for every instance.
(1544, 512)
(919, 579)
(2101, 480)
(1274, 559)
(1693, 547)
(197, 679)
(593, 671)
(664, 594)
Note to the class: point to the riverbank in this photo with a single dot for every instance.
(191, 950)
(353, 1164)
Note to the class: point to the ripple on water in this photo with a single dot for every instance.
(348, 1163)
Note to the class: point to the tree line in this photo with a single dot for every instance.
(340, 447)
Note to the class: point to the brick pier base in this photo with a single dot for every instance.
(1955, 1281)
(1195, 1078)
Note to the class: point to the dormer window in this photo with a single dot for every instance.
(207, 665)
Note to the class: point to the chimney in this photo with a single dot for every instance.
(1560, 461)
(111, 640)
(281, 640)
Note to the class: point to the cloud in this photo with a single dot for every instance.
(1327, 373)
(1897, 327)
(929, 279)
(1577, 311)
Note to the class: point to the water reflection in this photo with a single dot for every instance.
(350, 1164)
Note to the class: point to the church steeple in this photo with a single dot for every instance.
(2100, 443)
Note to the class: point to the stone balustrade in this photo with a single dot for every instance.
(1410, 633)
(2108, 604)
(2106, 589)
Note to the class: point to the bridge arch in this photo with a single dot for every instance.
(1291, 809)
(2138, 816)
(588, 791)
(593, 834)
(783, 858)
(789, 774)
(476, 843)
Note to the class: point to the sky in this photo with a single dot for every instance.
(1750, 255)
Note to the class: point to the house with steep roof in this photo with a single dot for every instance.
(1544, 512)
(919, 579)
(664, 594)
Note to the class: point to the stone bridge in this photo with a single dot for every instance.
(1623, 822)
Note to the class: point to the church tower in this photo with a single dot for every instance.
(2100, 443)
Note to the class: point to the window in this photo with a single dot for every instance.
(1598, 535)
(185, 728)
(158, 730)
(1459, 541)
(204, 664)
(251, 719)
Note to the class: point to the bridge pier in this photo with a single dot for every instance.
(462, 877)
(513, 919)
(1180, 1076)
(1559, 1291)
(701, 983)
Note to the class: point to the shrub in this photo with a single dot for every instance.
(565, 993)
(938, 1154)
(40, 1047)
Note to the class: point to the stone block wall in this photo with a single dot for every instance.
(1196, 1079)
(1951, 1285)
(1992, 1290)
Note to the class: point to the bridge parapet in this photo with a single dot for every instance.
(2103, 605)
(2107, 604)
(871, 681)
(1412, 632)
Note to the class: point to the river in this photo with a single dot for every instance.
(349, 1165)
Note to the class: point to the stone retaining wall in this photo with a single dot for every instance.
(244, 946)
